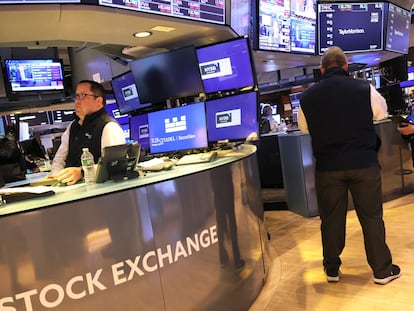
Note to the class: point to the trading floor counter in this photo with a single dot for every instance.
(190, 238)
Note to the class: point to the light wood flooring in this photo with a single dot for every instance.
(296, 280)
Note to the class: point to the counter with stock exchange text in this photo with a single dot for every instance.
(188, 238)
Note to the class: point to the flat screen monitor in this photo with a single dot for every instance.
(139, 130)
(394, 97)
(393, 70)
(34, 75)
(60, 116)
(126, 94)
(3, 92)
(35, 118)
(177, 129)
(232, 118)
(112, 108)
(398, 29)
(168, 75)
(353, 26)
(295, 99)
(127, 132)
(2, 127)
(205, 11)
(410, 78)
(287, 26)
(226, 65)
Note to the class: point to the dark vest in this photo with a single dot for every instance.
(339, 116)
(87, 135)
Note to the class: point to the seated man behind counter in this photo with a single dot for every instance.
(93, 127)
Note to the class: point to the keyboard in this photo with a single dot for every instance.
(197, 158)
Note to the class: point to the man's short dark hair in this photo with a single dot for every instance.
(96, 88)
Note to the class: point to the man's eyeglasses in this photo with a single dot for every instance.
(82, 96)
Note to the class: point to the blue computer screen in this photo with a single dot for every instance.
(179, 128)
(232, 118)
(126, 93)
(113, 110)
(226, 65)
(139, 130)
(126, 130)
(2, 127)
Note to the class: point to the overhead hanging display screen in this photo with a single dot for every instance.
(287, 26)
(201, 10)
(355, 27)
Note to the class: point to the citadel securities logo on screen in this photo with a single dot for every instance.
(178, 128)
(175, 124)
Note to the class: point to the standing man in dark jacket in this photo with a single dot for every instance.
(338, 112)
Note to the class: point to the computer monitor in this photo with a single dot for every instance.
(34, 75)
(226, 65)
(35, 118)
(410, 79)
(353, 26)
(397, 29)
(112, 108)
(2, 127)
(126, 130)
(295, 99)
(178, 129)
(232, 118)
(167, 76)
(286, 26)
(60, 116)
(126, 94)
(139, 130)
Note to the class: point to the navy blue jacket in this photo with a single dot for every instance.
(87, 135)
(339, 116)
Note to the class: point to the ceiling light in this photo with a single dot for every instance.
(142, 34)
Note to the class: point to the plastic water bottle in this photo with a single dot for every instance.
(88, 166)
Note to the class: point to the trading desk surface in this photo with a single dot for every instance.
(80, 191)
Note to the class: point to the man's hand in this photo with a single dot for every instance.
(69, 175)
(406, 129)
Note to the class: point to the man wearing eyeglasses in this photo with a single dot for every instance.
(93, 128)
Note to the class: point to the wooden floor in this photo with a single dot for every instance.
(296, 279)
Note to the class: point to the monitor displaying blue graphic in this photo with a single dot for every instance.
(112, 108)
(126, 93)
(126, 130)
(139, 130)
(410, 79)
(226, 65)
(232, 118)
(179, 128)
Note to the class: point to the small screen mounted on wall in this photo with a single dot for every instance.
(34, 75)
